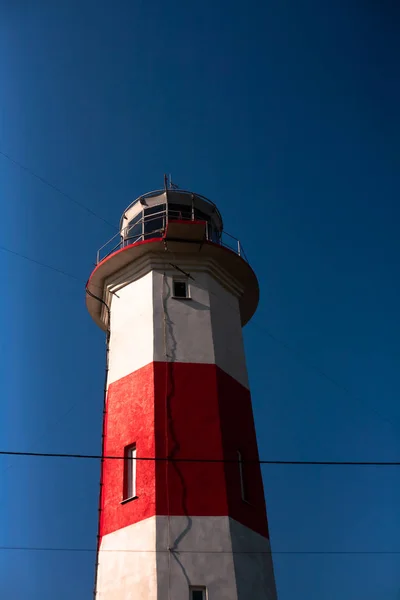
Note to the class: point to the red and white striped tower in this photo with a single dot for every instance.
(173, 299)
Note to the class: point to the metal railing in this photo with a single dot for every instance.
(142, 228)
(178, 191)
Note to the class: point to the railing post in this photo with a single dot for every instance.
(166, 210)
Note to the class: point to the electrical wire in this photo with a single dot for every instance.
(170, 359)
(45, 265)
(339, 463)
(56, 189)
(66, 274)
(101, 485)
(50, 427)
(258, 552)
(38, 262)
(167, 407)
(269, 462)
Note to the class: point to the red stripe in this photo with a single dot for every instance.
(195, 411)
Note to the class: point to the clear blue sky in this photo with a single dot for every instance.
(286, 114)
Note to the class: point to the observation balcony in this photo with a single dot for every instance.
(183, 223)
(161, 214)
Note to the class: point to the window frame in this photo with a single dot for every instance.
(241, 477)
(181, 280)
(198, 588)
(129, 491)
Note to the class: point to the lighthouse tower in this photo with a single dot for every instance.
(173, 291)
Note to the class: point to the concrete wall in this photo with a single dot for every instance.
(188, 328)
(188, 410)
(202, 556)
(254, 572)
(132, 326)
(127, 563)
(205, 329)
(232, 561)
(200, 404)
(227, 331)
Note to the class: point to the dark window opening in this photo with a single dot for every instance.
(180, 211)
(197, 593)
(212, 234)
(129, 486)
(180, 289)
(154, 210)
(200, 215)
(134, 230)
(154, 220)
(154, 225)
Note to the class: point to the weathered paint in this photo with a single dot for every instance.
(140, 561)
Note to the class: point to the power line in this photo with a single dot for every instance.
(45, 265)
(258, 552)
(38, 262)
(50, 427)
(352, 463)
(57, 189)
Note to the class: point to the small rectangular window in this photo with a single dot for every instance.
(130, 472)
(180, 288)
(241, 475)
(197, 593)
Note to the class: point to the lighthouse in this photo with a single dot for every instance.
(182, 514)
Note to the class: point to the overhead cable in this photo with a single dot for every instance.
(351, 463)
(258, 552)
(56, 189)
